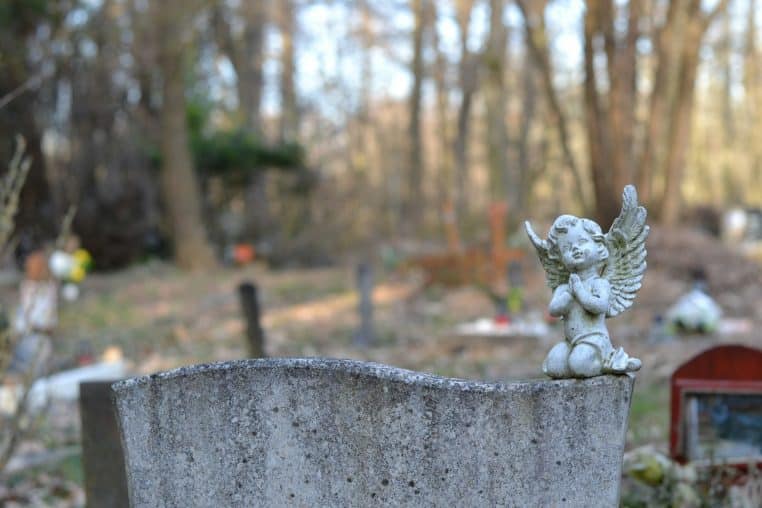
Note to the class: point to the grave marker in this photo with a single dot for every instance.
(102, 456)
(255, 336)
(364, 335)
(319, 432)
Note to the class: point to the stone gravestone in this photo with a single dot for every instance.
(102, 457)
(319, 432)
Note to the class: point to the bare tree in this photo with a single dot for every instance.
(503, 184)
(527, 175)
(444, 131)
(289, 120)
(178, 179)
(610, 114)
(752, 80)
(468, 83)
(20, 80)
(682, 107)
(610, 108)
(537, 43)
(663, 83)
(245, 50)
(414, 199)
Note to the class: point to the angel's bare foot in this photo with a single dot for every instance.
(620, 362)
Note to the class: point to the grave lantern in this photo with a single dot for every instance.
(716, 407)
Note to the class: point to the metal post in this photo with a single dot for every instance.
(250, 308)
(364, 336)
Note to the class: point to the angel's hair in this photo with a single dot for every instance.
(562, 224)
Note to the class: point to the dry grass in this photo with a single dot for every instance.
(163, 318)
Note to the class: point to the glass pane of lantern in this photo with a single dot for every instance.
(723, 427)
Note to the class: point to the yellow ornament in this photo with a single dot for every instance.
(648, 470)
(77, 273)
(83, 258)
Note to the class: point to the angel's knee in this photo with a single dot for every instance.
(556, 364)
(585, 361)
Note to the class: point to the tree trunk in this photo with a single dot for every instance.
(678, 140)
(467, 82)
(752, 75)
(414, 201)
(528, 106)
(622, 72)
(360, 128)
(289, 121)
(250, 57)
(247, 56)
(250, 60)
(180, 188)
(661, 92)
(598, 137)
(725, 57)
(444, 156)
(537, 43)
(503, 184)
(752, 71)
(36, 218)
(610, 114)
(682, 110)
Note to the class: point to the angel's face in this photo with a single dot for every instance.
(578, 248)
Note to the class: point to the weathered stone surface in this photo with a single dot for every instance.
(317, 432)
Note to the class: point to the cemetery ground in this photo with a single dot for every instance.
(160, 318)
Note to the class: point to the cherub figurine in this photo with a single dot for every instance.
(593, 277)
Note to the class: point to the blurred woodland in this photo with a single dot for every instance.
(312, 128)
(333, 134)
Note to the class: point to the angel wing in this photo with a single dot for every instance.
(626, 241)
(555, 272)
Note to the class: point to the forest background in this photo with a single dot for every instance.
(317, 128)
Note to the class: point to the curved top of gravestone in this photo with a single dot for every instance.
(325, 432)
(361, 368)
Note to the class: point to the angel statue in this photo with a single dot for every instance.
(593, 277)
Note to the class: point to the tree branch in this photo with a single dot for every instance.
(536, 40)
